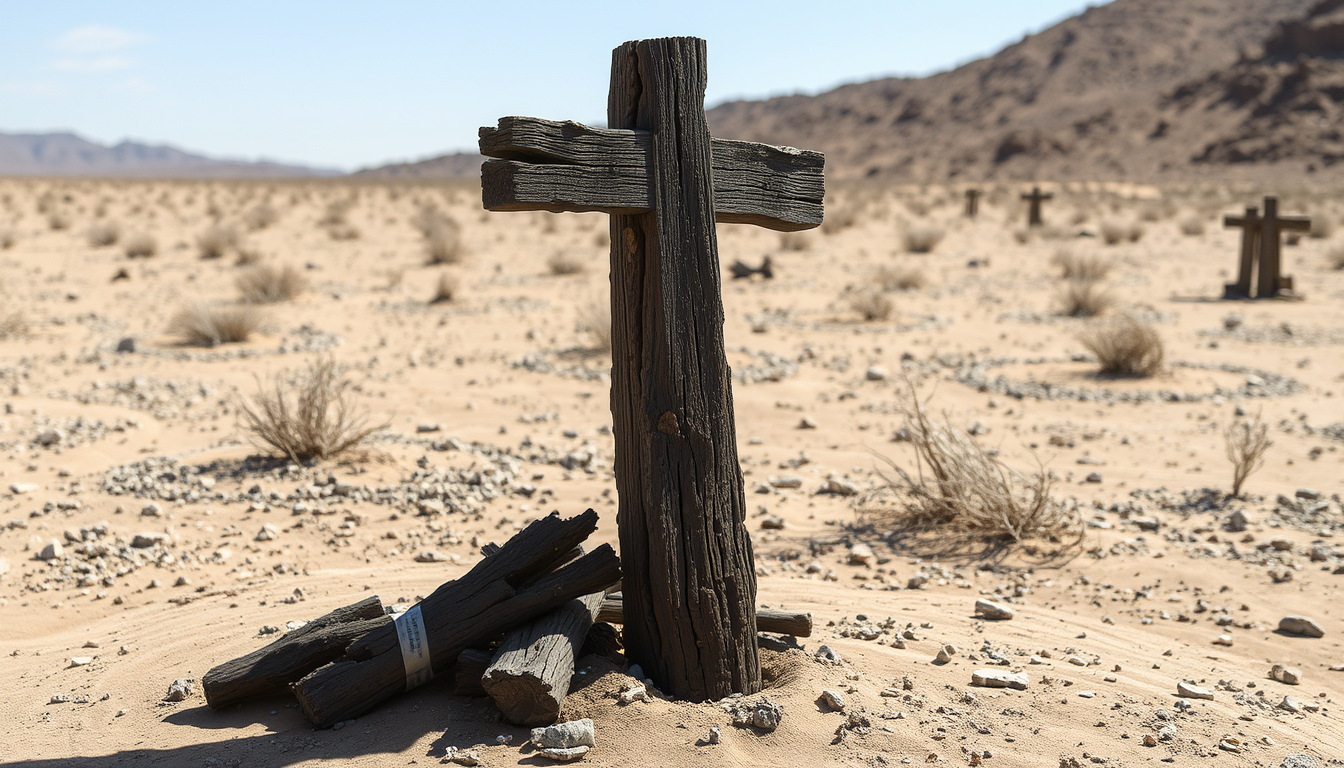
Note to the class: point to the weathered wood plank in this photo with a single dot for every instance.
(529, 676)
(270, 669)
(690, 604)
(471, 664)
(569, 167)
(767, 619)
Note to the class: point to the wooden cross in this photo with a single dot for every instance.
(1034, 212)
(689, 578)
(972, 203)
(1264, 248)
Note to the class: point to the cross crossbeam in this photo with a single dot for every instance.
(568, 167)
(1260, 247)
(1034, 211)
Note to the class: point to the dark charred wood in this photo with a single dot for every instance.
(767, 619)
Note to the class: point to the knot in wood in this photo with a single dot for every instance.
(667, 424)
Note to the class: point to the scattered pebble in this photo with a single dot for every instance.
(1190, 691)
(999, 678)
(1300, 625)
(993, 610)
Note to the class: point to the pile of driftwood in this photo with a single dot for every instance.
(511, 628)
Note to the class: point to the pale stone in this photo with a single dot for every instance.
(999, 678)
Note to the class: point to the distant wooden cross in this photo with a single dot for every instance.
(689, 578)
(972, 203)
(1260, 243)
(1034, 211)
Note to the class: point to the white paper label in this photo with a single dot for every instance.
(414, 647)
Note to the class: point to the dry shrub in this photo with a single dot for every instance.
(838, 219)
(794, 241)
(565, 263)
(595, 320)
(1322, 227)
(1246, 442)
(443, 243)
(1135, 232)
(260, 217)
(1125, 347)
(309, 416)
(446, 289)
(959, 486)
(246, 255)
(140, 246)
(1022, 236)
(1192, 226)
(7, 239)
(1113, 232)
(1075, 267)
(922, 238)
(901, 278)
(216, 241)
(58, 220)
(871, 305)
(343, 231)
(1335, 258)
(104, 233)
(1084, 298)
(918, 208)
(206, 326)
(267, 284)
(335, 213)
(13, 326)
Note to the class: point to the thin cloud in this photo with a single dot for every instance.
(133, 85)
(93, 64)
(95, 38)
(31, 87)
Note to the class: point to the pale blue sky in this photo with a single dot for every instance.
(350, 84)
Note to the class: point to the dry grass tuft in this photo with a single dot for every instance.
(13, 326)
(871, 305)
(140, 246)
(1246, 442)
(595, 320)
(246, 255)
(267, 284)
(7, 239)
(838, 218)
(1075, 267)
(443, 242)
(1192, 226)
(1335, 258)
(959, 486)
(58, 220)
(1113, 232)
(205, 326)
(216, 241)
(310, 416)
(1322, 226)
(260, 217)
(922, 238)
(1084, 298)
(446, 289)
(343, 231)
(565, 263)
(901, 278)
(104, 233)
(1125, 347)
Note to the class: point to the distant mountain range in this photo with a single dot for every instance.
(1134, 90)
(67, 154)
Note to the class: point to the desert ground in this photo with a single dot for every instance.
(146, 537)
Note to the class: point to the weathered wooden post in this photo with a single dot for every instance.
(1034, 211)
(972, 203)
(1250, 245)
(1271, 280)
(689, 578)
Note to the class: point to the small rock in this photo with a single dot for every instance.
(52, 551)
(566, 754)
(787, 481)
(1188, 691)
(80, 661)
(427, 426)
(807, 423)
(1300, 625)
(715, 736)
(1286, 675)
(1149, 740)
(50, 437)
(181, 689)
(1291, 704)
(634, 693)
(19, 489)
(764, 714)
(127, 344)
(148, 539)
(59, 698)
(468, 757)
(999, 678)
(1237, 521)
(430, 556)
(946, 653)
(1308, 494)
(1093, 477)
(827, 653)
(1223, 640)
(575, 733)
(1147, 523)
(772, 523)
(268, 532)
(839, 487)
(861, 554)
(151, 510)
(875, 373)
(993, 610)
(833, 699)
(1077, 661)
(1299, 760)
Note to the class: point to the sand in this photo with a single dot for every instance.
(506, 366)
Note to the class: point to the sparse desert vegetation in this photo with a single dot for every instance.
(901, 278)
(104, 233)
(1246, 442)
(1084, 298)
(268, 284)
(140, 245)
(1125, 346)
(309, 416)
(922, 238)
(216, 241)
(202, 325)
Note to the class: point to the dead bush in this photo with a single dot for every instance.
(140, 246)
(1125, 347)
(207, 326)
(58, 220)
(1192, 226)
(837, 220)
(595, 320)
(565, 263)
(794, 241)
(309, 416)
(13, 326)
(246, 255)
(1246, 441)
(446, 289)
(7, 239)
(959, 486)
(1113, 232)
(260, 217)
(343, 231)
(1322, 226)
(443, 243)
(1084, 298)
(1075, 267)
(268, 284)
(216, 241)
(901, 278)
(922, 238)
(1335, 258)
(871, 305)
(104, 233)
